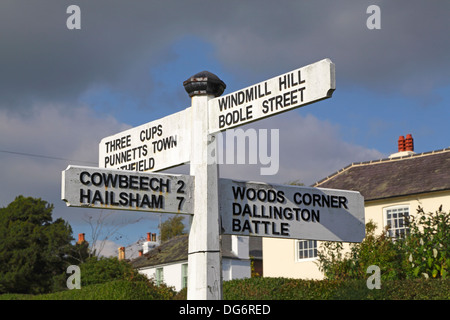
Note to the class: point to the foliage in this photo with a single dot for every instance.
(379, 250)
(427, 249)
(297, 289)
(423, 253)
(172, 227)
(112, 290)
(260, 289)
(35, 250)
(101, 270)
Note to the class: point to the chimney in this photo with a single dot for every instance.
(240, 246)
(401, 144)
(121, 253)
(150, 243)
(81, 238)
(405, 147)
(409, 143)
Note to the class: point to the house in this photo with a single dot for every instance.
(168, 263)
(392, 189)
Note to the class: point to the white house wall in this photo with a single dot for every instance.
(232, 269)
(280, 257)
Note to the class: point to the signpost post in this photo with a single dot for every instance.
(244, 208)
(204, 258)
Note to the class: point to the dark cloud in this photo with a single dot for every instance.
(121, 40)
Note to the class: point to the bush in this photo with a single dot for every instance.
(424, 252)
(377, 250)
(113, 290)
(297, 289)
(101, 270)
(427, 248)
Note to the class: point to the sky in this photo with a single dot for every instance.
(63, 90)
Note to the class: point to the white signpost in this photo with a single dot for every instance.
(244, 208)
(124, 190)
(291, 212)
(153, 146)
(288, 91)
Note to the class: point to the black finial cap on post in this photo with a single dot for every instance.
(204, 83)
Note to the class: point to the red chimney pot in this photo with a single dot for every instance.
(409, 143)
(81, 238)
(401, 144)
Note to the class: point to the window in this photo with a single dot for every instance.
(184, 275)
(306, 249)
(159, 276)
(395, 218)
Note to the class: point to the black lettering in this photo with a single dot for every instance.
(287, 213)
(274, 229)
(236, 209)
(307, 199)
(315, 215)
(280, 196)
(238, 193)
(251, 194)
(334, 202)
(123, 182)
(96, 179)
(180, 203)
(133, 200)
(110, 180)
(246, 210)
(112, 199)
(266, 228)
(256, 226)
(306, 215)
(236, 225)
(134, 182)
(278, 212)
(343, 202)
(144, 183)
(181, 186)
(85, 196)
(123, 199)
(97, 197)
(246, 226)
(84, 173)
(145, 202)
(285, 229)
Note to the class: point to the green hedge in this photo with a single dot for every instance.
(296, 289)
(113, 290)
(260, 289)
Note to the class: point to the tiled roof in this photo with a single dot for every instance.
(386, 178)
(173, 250)
(176, 249)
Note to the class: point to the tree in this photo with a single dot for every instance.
(172, 227)
(427, 248)
(34, 250)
